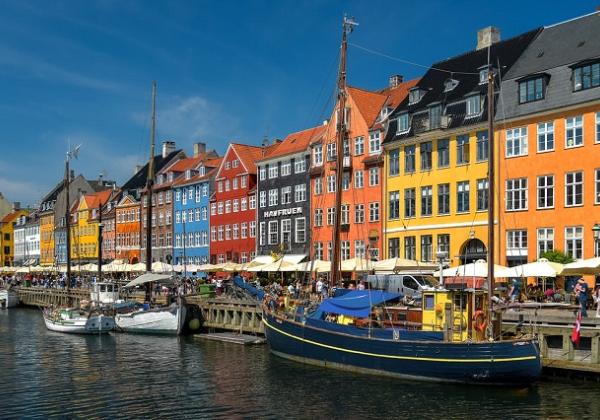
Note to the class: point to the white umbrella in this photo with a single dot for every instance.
(207, 267)
(138, 267)
(356, 264)
(539, 268)
(477, 269)
(279, 265)
(161, 267)
(582, 267)
(399, 264)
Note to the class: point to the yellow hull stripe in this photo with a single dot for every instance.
(390, 356)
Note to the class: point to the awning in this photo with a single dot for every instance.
(357, 303)
(147, 278)
(294, 258)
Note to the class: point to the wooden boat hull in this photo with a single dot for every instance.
(165, 321)
(515, 362)
(99, 324)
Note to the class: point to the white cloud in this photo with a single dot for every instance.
(26, 192)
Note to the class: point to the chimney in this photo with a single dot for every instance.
(325, 122)
(199, 148)
(265, 141)
(167, 148)
(16, 206)
(137, 168)
(487, 36)
(395, 80)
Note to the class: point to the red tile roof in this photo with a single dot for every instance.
(398, 93)
(368, 103)
(95, 200)
(211, 166)
(295, 142)
(248, 155)
(10, 217)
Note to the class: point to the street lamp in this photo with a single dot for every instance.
(596, 230)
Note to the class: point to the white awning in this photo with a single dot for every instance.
(147, 278)
(294, 258)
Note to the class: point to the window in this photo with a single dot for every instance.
(373, 212)
(299, 165)
(516, 194)
(262, 199)
(227, 188)
(443, 153)
(403, 123)
(516, 142)
(482, 146)
(426, 248)
(574, 242)
(425, 155)
(410, 202)
(545, 240)
(473, 105)
(483, 75)
(597, 187)
(462, 149)
(243, 180)
(318, 250)
(394, 210)
(183, 198)
(227, 232)
(213, 209)
(160, 198)
(331, 183)
(462, 197)
(574, 189)
(345, 250)
(597, 127)
(587, 76)
(359, 249)
(394, 162)
(410, 248)
(443, 199)
(286, 195)
(545, 191)
(346, 181)
(345, 214)
(253, 202)
(220, 207)
(359, 213)
(273, 232)
(318, 155)
(482, 194)
(262, 234)
(318, 186)
(374, 142)
(531, 90)
(359, 145)
(286, 168)
(286, 231)
(373, 176)
(435, 116)
(409, 159)
(236, 205)
(545, 137)
(300, 230)
(330, 216)
(426, 200)
(359, 179)
(220, 233)
(273, 197)
(177, 217)
(273, 170)
(300, 193)
(244, 230)
(516, 243)
(253, 229)
(394, 248)
(227, 165)
(331, 152)
(213, 233)
(197, 214)
(227, 206)
(318, 217)
(177, 196)
(574, 132)
(443, 244)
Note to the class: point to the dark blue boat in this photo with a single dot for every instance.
(423, 355)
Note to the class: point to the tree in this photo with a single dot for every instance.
(557, 256)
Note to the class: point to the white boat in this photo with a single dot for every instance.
(77, 321)
(105, 293)
(153, 321)
(8, 298)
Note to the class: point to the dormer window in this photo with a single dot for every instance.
(473, 105)
(415, 95)
(188, 174)
(532, 89)
(435, 116)
(403, 123)
(450, 84)
(202, 171)
(158, 179)
(586, 76)
(483, 75)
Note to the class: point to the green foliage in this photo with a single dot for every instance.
(557, 256)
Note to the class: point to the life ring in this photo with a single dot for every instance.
(479, 320)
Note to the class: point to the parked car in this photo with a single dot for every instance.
(409, 285)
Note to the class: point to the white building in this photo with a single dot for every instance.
(27, 240)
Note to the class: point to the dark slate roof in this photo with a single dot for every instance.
(51, 196)
(553, 52)
(138, 180)
(504, 52)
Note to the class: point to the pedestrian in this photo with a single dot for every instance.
(597, 301)
(581, 292)
(515, 290)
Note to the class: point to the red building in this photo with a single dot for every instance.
(233, 205)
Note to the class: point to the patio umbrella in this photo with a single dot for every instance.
(207, 268)
(161, 267)
(356, 264)
(582, 267)
(539, 268)
(275, 266)
(476, 269)
(400, 264)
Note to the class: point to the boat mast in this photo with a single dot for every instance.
(341, 133)
(491, 198)
(67, 224)
(149, 184)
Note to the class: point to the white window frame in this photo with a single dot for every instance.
(374, 142)
(273, 197)
(545, 129)
(273, 234)
(543, 186)
(318, 217)
(299, 165)
(286, 195)
(359, 178)
(374, 211)
(572, 124)
(597, 186)
(516, 242)
(262, 199)
(516, 142)
(573, 234)
(374, 176)
(286, 168)
(514, 194)
(544, 235)
(359, 145)
(574, 185)
(262, 174)
(300, 193)
(300, 230)
(318, 155)
(318, 185)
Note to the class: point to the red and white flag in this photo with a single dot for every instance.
(576, 334)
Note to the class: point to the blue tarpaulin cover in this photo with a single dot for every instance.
(258, 294)
(357, 303)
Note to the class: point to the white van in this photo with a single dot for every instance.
(409, 285)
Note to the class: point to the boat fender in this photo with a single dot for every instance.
(479, 320)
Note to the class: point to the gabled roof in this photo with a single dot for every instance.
(211, 166)
(127, 198)
(368, 103)
(396, 94)
(138, 180)
(98, 199)
(184, 164)
(10, 217)
(295, 142)
(248, 155)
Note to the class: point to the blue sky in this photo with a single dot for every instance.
(81, 71)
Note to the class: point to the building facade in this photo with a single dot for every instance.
(549, 136)
(283, 190)
(436, 195)
(128, 230)
(46, 216)
(7, 239)
(233, 233)
(85, 234)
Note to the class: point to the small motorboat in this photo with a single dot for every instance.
(77, 321)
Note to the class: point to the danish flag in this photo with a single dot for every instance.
(576, 334)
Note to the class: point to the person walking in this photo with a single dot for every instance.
(581, 292)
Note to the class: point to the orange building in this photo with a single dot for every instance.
(128, 230)
(361, 212)
(549, 135)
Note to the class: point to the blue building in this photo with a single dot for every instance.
(191, 227)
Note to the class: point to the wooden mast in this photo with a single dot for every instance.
(341, 131)
(491, 199)
(149, 184)
(67, 224)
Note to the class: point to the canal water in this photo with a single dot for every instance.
(45, 374)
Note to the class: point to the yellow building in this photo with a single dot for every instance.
(84, 227)
(7, 237)
(47, 239)
(436, 158)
